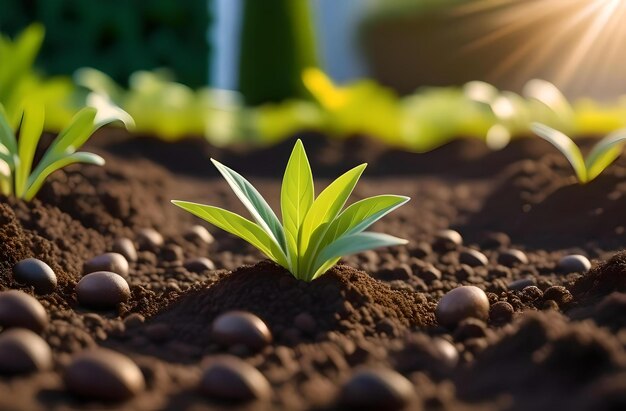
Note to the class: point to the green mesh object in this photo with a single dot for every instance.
(117, 36)
(276, 45)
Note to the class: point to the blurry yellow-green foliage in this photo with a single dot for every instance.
(421, 121)
(20, 81)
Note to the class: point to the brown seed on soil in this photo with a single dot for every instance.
(18, 309)
(126, 247)
(240, 327)
(461, 303)
(102, 374)
(520, 284)
(113, 262)
(232, 379)
(102, 290)
(574, 263)
(199, 233)
(23, 351)
(376, 389)
(198, 265)
(149, 238)
(447, 240)
(172, 252)
(512, 257)
(35, 273)
(473, 258)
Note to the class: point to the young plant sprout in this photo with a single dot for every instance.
(601, 156)
(16, 155)
(314, 233)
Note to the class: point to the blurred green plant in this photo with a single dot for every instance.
(17, 176)
(314, 233)
(605, 152)
(277, 43)
(19, 81)
(118, 36)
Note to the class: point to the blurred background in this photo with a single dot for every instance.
(413, 73)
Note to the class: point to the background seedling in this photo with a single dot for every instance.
(601, 156)
(314, 233)
(17, 176)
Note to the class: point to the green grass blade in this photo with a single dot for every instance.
(239, 226)
(74, 135)
(296, 197)
(350, 244)
(30, 133)
(7, 136)
(328, 204)
(604, 153)
(255, 203)
(36, 179)
(362, 214)
(566, 146)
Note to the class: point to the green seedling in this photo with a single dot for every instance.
(601, 156)
(314, 233)
(17, 176)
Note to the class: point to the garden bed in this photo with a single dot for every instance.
(562, 348)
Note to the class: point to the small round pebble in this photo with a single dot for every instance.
(495, 240)
(446, 240)
(102, 374)
(149, 238)
(574, 263)
(519, 285)
(113, 262)
(232, 379)
(376, 389)
(241, 328)
(461, 303)
(126, 247)
(473, 258)
(18, 309)
(172, 252)
(199, 233)
(35, 273)
(102, 290)
(22, 351)
(198, 265)
(510, 258)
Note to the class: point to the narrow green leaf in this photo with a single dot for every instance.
(604, 153)
(566, 146)
(7, 136)
(74, 135)
(239, 226)
(255, 203)
(296, 197)
(353, 243)
(36, 180)
(327, 205)
(21, 55)
(361, 215)
(30, 133)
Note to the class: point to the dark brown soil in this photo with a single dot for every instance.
(563, 348)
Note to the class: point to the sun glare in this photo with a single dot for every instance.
(575, 44)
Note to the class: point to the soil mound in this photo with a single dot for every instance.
(606, 278)
(541, 204)
(344, 299)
